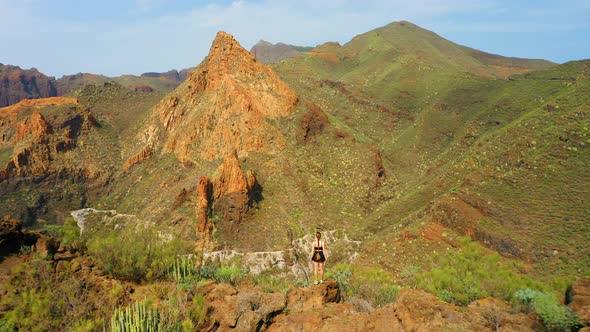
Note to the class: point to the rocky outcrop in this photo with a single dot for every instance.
(239, 310)
(314, 298)
(232, 193)
(13, 238)
(317, 309)
(17, 84)
(204, 200)
(225, 106)
(150, 138)
(35, 141)
(234, 190)
(295, 259)
(313, 122)
(34, 125)
(464, 212)
(579, 298)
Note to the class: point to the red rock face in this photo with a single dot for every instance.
(225, 106)
(36, 142)
(204, 201)
(17, 84)
(233, 190)
(35, 126)
(232, 193)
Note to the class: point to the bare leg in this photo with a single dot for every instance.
(321, 271)
(316, 267)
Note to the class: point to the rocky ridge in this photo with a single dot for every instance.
(17, 84)
(224, 107)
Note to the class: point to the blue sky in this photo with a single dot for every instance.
(114, 37)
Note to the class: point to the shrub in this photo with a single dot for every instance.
(68, 233)
(273, 283)
(229, 274)
(554, 316)
(341, 273)
(198, 309)
(471, 273)
(525, 297)
(39, 299)
(386, 294)
(133, 254)
(373, 285)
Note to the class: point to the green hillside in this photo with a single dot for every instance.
(428, 165)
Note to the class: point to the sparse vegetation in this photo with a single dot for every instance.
(373, 285)
(473, 272)
(554, 316)
(142, 253)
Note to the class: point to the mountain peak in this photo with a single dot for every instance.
(223, 107)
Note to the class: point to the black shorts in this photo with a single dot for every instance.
(318, 257)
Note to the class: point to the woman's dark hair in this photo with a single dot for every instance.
(318, 233)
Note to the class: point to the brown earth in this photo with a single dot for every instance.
(320, 308)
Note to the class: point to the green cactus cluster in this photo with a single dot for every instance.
(183, 269)
(138, 317)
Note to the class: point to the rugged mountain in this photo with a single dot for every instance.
(396, 144)
(462, 143)
(17, 84)
(172, 75)
(267, 52)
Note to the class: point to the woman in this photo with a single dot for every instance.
(319, 256)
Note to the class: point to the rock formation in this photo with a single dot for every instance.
(17, 84)
(224, 106)
(313, 123)
(232, 193)
(234, 190)
(34, 141)
(34, 125)
(319, 308)
(579, 299)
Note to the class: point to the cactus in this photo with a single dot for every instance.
(184, 268)
(138, 317)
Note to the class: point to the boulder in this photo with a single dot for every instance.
(306, 299)
(240, 310)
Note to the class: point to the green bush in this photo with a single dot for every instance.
(471, 273)
(198, 309)
(525, 297)
(555, 317)
(68, 233)
(370, 284)
(230, 274)
(386, 294)
(136, 254)
(37, 298)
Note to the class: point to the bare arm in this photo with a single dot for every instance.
(325, 250)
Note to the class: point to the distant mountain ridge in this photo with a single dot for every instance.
(267, 52)
(17, 84)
